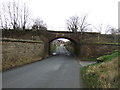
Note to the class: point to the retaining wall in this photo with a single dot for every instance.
(16, 53)
(96, 50)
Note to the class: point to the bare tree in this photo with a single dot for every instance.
(76, 24)
(113, 31)
(39, 24)
(83, 23)
(100, 28)
(73, 23)
(107, 29)
(24, 16)
(13, 15)
(3, 18)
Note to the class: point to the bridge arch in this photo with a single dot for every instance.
(71, 40)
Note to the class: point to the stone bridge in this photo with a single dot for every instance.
(73, 37)
(81, 48)
(52, 35)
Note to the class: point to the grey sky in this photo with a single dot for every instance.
(55, 12)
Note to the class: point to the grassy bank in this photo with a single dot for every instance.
(102, 75)
(104, 58)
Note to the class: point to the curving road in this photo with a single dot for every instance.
(60, 71)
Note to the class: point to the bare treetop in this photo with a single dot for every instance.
(76, 24)
(73, 23)
(39, 24)
(83, 23)
(14, 15)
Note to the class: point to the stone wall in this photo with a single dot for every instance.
(71, 49)
(96, 50)
(20, 34)
(19, 53)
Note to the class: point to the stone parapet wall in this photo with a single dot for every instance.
(96, 50)
(18, 53)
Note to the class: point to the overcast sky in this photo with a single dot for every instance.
(55, 12)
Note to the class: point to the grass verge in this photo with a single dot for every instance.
(7, 65)
(102, 75)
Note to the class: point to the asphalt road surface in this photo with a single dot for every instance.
(60, 71)
(61, 50)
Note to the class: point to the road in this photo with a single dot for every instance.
(60, 71)
(61, 50)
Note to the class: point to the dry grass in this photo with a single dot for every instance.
(109, 77)
(9, 64)
(103, 75)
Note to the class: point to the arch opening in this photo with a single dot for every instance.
(62, 46)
